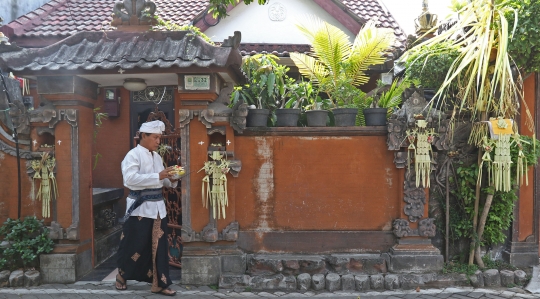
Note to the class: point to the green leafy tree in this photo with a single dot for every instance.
(524, 47)
(218, 8)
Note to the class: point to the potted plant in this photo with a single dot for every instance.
(382, 103)
(317, 111)
(348, 99)
(336, 62)
(289, 112)
(265, 87)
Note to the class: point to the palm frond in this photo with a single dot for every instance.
(309, 67)
(368, 49)
(486, 85)
(329, 44)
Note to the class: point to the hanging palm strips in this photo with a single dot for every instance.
(497, 138)
(214, 184)
(48, 188)
(422, 152)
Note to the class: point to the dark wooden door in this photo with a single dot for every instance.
(156, 103)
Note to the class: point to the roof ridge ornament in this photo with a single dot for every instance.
(426, 21)
(233, 41)
(134, 12)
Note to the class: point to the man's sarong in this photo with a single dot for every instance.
(143, 252)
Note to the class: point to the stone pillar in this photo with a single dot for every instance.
(414, 251)
(70, 119)
(210, 248)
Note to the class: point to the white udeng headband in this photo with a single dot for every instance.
(155, 126)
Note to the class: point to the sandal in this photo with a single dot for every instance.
(123, 284)
(165, 293)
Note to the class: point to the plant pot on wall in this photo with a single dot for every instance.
(345, 117)
(287, 117)
(257, 117)
(316, 118)
(375, 116)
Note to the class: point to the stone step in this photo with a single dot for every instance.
(267, 264)
(331, 282)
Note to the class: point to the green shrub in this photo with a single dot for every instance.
(28, 238)
(430, 64)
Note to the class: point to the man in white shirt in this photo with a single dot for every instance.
(143, 251)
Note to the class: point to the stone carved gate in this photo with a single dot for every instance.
(171, 156)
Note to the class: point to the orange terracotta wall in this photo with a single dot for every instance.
(526, 193)
(112, 143)
(316, 183)
(8, 192)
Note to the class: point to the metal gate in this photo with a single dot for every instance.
(170, 152)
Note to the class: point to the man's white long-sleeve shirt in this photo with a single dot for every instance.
(140, 169)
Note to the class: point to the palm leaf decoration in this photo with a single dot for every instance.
(334, 59)
(483, 69)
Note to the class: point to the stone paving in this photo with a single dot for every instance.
(100, 289)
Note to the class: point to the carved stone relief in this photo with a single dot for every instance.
(400, 159)
(210, 233)
(402, 228)
(236, 166)
(56, 232)
(414, 197)
(230, 233)
(220, 130)
(426, 228)
(185, 116)
(238, 118)
(73, 231)
(404, 119)
(125, 11)
(397, 127)
(207, 117)
(105, 218)
(19, 117)
(277, 12)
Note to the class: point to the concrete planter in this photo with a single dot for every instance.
(375, 116)
(345, 117)
(257, 117)
(287, 117)
(316, 118)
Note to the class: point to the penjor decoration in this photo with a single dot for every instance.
(496, 137)
(422, 151)
(214, 184)
(48, 189)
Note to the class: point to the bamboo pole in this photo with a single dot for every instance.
(481, 226)
(483, 117)
(447, 237)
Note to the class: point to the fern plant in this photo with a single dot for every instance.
(336, 61)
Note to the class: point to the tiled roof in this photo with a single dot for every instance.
(281, 50)
(372, 9)
(61, 18)
(109, 50)
(67, 17)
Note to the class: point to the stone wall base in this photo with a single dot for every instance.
(106, 243)
(65, 267)
(415, 256)
(201, 267)
(521, 254)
